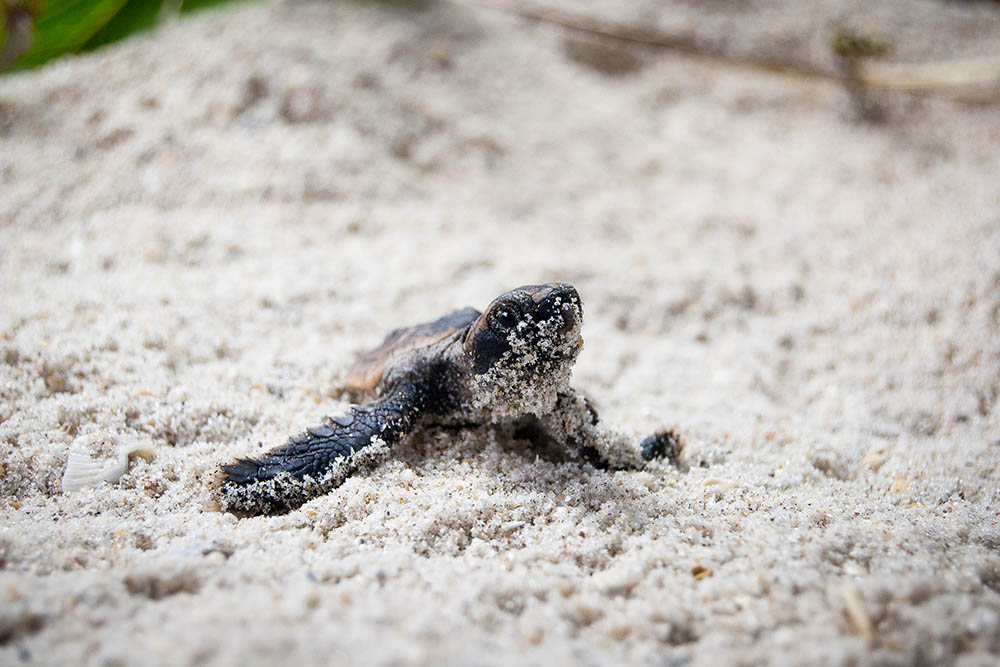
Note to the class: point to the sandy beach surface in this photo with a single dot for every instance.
(201, 227)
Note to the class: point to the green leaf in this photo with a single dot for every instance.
(195, 5)
(66, 26)
(136, 15)
(3, 32)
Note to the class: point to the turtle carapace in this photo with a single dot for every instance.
(510, 364)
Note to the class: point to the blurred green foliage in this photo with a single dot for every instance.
(33, 32)
(850, 46)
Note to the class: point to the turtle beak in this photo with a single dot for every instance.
(568, 314)
(562, 301)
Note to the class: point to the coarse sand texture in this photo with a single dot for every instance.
(201, 228)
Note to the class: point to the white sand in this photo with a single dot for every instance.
(201, 227)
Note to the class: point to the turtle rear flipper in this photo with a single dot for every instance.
(316, 461)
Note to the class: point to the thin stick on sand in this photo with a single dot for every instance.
(969, 79)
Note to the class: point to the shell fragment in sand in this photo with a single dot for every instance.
(723, 484)
(83, 470)
(856, 614)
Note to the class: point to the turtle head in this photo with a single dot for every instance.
(524, 345)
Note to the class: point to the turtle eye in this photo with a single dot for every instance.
(507, 316)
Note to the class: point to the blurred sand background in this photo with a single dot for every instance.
(200, 227)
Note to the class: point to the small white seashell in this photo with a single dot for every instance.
(724, 483)
(82, 469)
(510, 526)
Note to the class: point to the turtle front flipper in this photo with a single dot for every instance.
(318, 460)
(574, 422)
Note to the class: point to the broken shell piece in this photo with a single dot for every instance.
(82, 469)
(724, 483)
(511, 526)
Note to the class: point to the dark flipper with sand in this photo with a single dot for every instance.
(318, 460)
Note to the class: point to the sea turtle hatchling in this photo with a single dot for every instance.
(508, 365)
